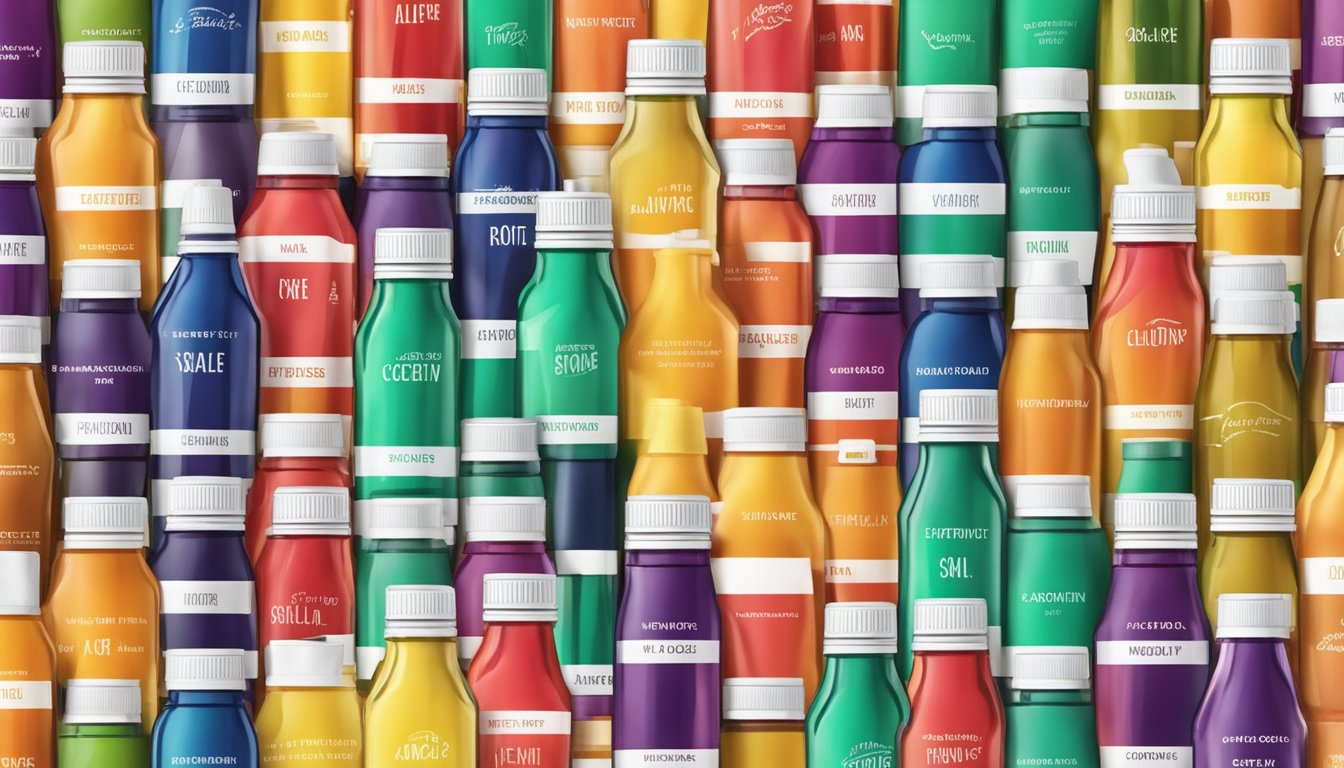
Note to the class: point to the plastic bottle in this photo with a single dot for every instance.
(27, 725)
(509, 33)
(861, 709)
(25, 523)
(1323, 278)
(763, 722)
(1049, 713)
(668, 636)
(1039, 41)
(674, 461)
(28, 75)
(205, 720)
(664, 177)
(1324, 365)
(856, 42)
(101, 574)
(675, 21)
(100, 727)
(23, 237)
(100, 363)
(1322, 107)
(100, 20)
(954, 517)
(419, 707)
(516, 679)
(98, 165)
(941, 44)
(956, 342)
(297, 449)
(312, 713)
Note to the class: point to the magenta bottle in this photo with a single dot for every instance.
(23, 238)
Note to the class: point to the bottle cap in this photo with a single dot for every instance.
(416, 155)
(1037, 90)
(674, 427)
(104, 66)
(519, 597)
(859, 628)
(961, 106)
(104, 522)
(1155, 521)
(859, 276)
(1250, 65)
(1254, 616)
(1329, 321)
(100, 279)
(1047, 668)
(305, 664)
(1251, 313)
(951, 624)
(197, 503)
(764, 430)
(20, 581)
(953, 277)
(506, 91)
(18, 155)
(101, 702)
(1051, 496)
(573, 220)
(1153, 206)
(203, 669)
(667, 522)
(1052, 298)
(20, 340)
(310, 511)
(1253, 505)
(305, 435)
(757, 162)
(421, 610)
(207, 209)
(297, 153)
(499, 440)
(395, 518)
(854, 106)
(1332, 152)
(1228, 274)
(665, 68)
(1334, 403)
(763, 698)
(410, 254)
(959, 416)
(504, 518)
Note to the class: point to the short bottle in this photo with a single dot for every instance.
(309, 702)
(26, 521)
(205, 720)
(100, 727)
(1049, 711)
(763, 722)
(27, 724)
(297, 449)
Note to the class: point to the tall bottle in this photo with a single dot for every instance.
(856, 42)
(1324, 279)
(508, 33)
(309, 703)
(942, 45)
(1049, 713)
(1325, 365)
(205, 720)
(763, 722)
(98, 165)
(96, 20)
(28, 74)
(1043, 42)
(664, 177)
(23, 237)
(101, 726)
(675, 458)
(26, 524)
(1321, 103)
(297, 449)
(28, 724)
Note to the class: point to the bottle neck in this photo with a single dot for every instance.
(960, 134)
(859, 306)
(1184, 558)
(654, 558)
(739, 192)
(298, 182)
(537, 122)
(944, 671)
(566, 263)
(665, 113)
(99, 306)
(1249, 656)
(406, 183)
(205, 698)
(117, 109)
(1052, 119)
(965, 306)
(956, 459)
(678, 272)
(532, 640)
(876, 135)
(424, 655)
(1077, 697)
(1240, 109)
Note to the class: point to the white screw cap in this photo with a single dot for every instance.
(519, 597)
(961, 106)
(764, 430)
(207, 209)
(956, 277)
(763, 698)
(104, 60)
(1330, 321)
(393, 518)
(854, 106)
(1332, 152)
(499, 440)
(20, 340)
(1250, 65)
(100, 279)
(93, 522)
(1052, 298)
(1252, 313)
(1052, 496)
(1153, 206)
(314, 511)
(958, 415)
(308, 435)
(297, 153)
(203, 669)
(413, 253)
(1253, 505)
(951, 624)
(1254, 616)
(859, 276)
(1063, 668)
(18, 155)
(415, 155)
(859, 628)
(19, 583)
(573, 220)
(504, 518)
(1155, 521)
(1334, 403)
(101, 702)
(757, 162)
(667, 522)
(665, 67)
(1037, 90)
(203, 495)
(420, 610)
(506, 91)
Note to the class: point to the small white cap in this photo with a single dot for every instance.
(572, 219)
(499, 440)
(1229, 274)
(519, 597)
(859, 628)
(18, 155)
(504, 518)
(315, 511)
(420, 610)
(1253, 505)
(854, 106)
(858, 276)
(1153, 206)
(961, 106)
(1051, 496)
(763, 698)
(197, 503)
(757, 162)
(425, 254)
(1045, 89)
(1254, 616)
(958, 416)
(667, 522)
(1155, 521)
(665, 68)
(1052, 298)
(506, 91)
(101, 702)
(307, 435)
(20, 581)
(951, 624)
(394, 518)
(418, 155)
(203, 669)
(104, 60)
(764, 430)
(957, 277)
(98, 522)
(100, 279)
(1329, 321)
(20, 340)
(305, 664)
(1251, 313)
(1046, 668)
(1334, 403)
(207, 209)
(1332, 152)
(297, 153)
(1250, 65)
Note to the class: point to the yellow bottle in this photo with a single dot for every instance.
(681, 19)
(308, 702)
(1325, 364)
(763, 723)
(419, 713)
(27, 666)
(664, 178)
(25, 519)
(673, 462)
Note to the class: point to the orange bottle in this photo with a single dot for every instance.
(765, 248)
(1281, 19)
(856, 42)
(673, 462)
(27, 455)
(27, 667)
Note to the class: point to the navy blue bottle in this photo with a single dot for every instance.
(957, 342)
(205, 721)
(203, 369)
(505, 158)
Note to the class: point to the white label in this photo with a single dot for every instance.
(912, 266)
(23, 250)
(214, 597)
(405, 461)
(1152, 653)
(750, 104)
(853, 406)
(25, 113)
(1146, 96)
(28, 694)
(487, 203)
(667, 651)
(519, 721)
(1322, 575)
(762, 575)
(773, 341)
(849, 199)
(300, 249)
(576, 430)
(953, 199)
(367, 658)
(305, 37)
(300, 372)
(1026, 247)
(202, 442)
(182, 89)
(1248, 197)
(106, 199)
(1150, 417)
(588, 108)
(102, 428)
(1147, 757)
(1323, 99)
(863, 572)
(489, 339)
(778, 252)
(645, 758)
(407, 90)
(585, 562)
(588, 679)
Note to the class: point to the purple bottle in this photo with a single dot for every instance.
(23, 240)
(406, 185)
(1322, 67)
(667, 696)
(28, 66)
(100, 379)
(1153, 640)
(502, 534)
(1250, 715)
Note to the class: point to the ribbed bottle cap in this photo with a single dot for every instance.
(1155, 521)
(1251, 313)
(763, 698)
(206, 495)
(1061, 668)
(951, 624)
(297, 153)
(100, 279)
(20, 581)
(18, 155)
(859, 276)
(1045, 89)
(413, 253)
(504, 518)
(854, 106)
(519, 597)
(957, 277)
(958, 415)
(1253, 505)
(674, 427)
(20, 340)
(305, 664)
(1250, 65)
(94, 522)
(757, 162)
(313, 511)
(499, 440)
(859, 628)
(1329, 321)
(203, 669)
(506, 91)
(1153, 206)
(757, 430)
(1334, 403)
(417, 155)
(1052, 298)
(573, 219)
(207, 209)
(1332, 152)
(393, 518)
(101, 702)
(420, 610)
(104, 62)
(665, 67)
(1036, 496)
(667, 522)
(1257, 616)
(1229, 274)
(307, 435)
(961, 106)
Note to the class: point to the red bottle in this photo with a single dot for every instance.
(955, 714)
(305, 449)
(520, 692)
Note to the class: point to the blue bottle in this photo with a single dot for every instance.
(505, 158)
(957, 342)
(205, 721)
(953, 195)
(203, 366)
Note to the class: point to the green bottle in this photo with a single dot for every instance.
(80, 20)
(101, 726)
(509, 33)
(1156, 465)
(1045, 34)
(940, 43)
(954, 516)
(499, 458)
(860, 710)
(1049, 712)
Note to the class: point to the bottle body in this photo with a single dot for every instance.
(306, 588)
(512, 33)
(96, 20)
(24, 237)
(1058, 578)
(1324, 365)
(293, 718)
(953, 698)
(847, 185)
(27, 724)
(1251, 688)
(1321, 65)
(942, 45)
(27, 522)
(763, 743)
(1071, 42)
(107, 746)
(419, 709)
(1051, 725)
(856, 43)
(523, 700)
(396, 202)
(860, 712)
(29, 76)
(204, 727)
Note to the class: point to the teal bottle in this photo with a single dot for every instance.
(954, 516)
(1156, 466)
(942, 43)
(861, 709)
(1049, 712)
(511, 33)
(499, 458)
(101, 726)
